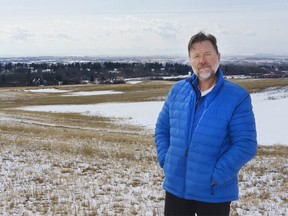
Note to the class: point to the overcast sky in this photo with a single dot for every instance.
(140, 27)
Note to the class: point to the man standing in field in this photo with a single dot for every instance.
(204, 134)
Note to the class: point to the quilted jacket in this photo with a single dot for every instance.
(222, 142)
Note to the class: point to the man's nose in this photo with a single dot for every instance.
(203, 60)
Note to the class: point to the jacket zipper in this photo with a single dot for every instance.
(191, 116)
(212, 189)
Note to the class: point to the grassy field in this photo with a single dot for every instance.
(72, 164)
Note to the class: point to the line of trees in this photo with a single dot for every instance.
(24, 74)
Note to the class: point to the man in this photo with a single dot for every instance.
(204, 134)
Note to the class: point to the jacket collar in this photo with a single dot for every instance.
(194, 82)
(220, 79)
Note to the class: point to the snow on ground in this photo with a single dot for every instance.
(46, 90)
(133, 82)
(92, 93)
(270, 108)
(82, 93)
(43, 182)
(137, 113)
(175, 77)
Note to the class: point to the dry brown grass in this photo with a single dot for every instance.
(254, 85)
(131, 93)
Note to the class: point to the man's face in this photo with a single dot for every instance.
(204, 59)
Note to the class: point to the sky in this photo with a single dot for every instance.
(140, 27)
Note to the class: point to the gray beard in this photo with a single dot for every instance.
(206, 75)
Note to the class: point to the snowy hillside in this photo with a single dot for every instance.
(270, 108)
(68, 160)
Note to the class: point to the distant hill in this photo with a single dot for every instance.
(55, 70)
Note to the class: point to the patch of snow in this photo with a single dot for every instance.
(137, 113)
(270, 109)
(91, 93)
(176, 77)
(47, 90)
(133, 82)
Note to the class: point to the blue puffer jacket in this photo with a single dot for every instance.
(223, 141)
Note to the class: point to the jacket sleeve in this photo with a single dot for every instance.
(243, 142)
(162, 133)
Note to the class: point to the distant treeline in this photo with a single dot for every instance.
(24, 74)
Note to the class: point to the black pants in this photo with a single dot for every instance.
(176, 206)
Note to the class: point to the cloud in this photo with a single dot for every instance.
(250, 33)
(233, 31)
(21, 34)
(63, 36)
(162, 28)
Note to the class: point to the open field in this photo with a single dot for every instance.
(72, 164)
